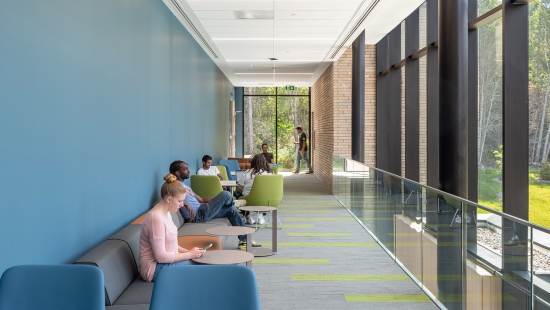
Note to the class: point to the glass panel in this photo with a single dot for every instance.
(259, 90)
(423, 27)
(303, 91)
(539, 110)
(259, 123)
(291, 113)
(541, 268)
(490, 115)
(484, 6)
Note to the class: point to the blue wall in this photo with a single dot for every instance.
(96, 99)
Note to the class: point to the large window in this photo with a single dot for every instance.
(539, 111)
(490, 115)
(270, 116)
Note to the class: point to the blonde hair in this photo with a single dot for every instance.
(171, 187)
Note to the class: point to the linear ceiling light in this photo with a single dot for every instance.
(273, 39)
(267, 60)
(273, 73)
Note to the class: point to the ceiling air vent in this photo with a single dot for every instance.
(356, 26)
(266, 84)
(194, 28)
(253, 14)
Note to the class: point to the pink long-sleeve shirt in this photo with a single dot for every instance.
(158, 243)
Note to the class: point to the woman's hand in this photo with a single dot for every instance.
(196, 252)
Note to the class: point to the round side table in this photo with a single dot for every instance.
(224, 257)
(261, 252)
(234, 231)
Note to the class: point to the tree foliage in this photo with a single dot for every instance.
(270, 119)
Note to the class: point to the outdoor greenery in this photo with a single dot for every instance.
(272, 121)
(490, 150)
(539, 195)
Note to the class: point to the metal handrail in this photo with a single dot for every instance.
(474, 204)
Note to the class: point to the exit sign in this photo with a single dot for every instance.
(289, 87)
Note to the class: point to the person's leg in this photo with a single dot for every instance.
(207, 211)
(161, 266)
(298, 159)
(307, 161)
(219, 207)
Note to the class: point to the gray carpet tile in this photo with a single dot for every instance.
(277, 288)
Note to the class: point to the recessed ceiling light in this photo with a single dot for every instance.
(254, 14)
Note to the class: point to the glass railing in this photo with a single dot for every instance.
(463, 255)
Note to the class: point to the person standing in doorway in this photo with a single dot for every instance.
(301, 154)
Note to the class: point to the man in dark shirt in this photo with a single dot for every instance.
(268, 156)
(302, 151)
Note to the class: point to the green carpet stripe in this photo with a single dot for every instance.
(291, 261)
(350, 277)
(313, 234)
(304, 211)
(307, 206)
(293, 219)
(294, 226)
(386, 298)
(321, 244)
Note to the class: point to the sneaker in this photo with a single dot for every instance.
(308, 172)
(296, 171)
(261, 220)
(250, 221)
(242, 245)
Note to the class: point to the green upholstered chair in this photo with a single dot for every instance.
(206, 186)
(267, 190)
(223, 172)
(275, 169)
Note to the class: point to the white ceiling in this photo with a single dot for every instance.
(303, 35)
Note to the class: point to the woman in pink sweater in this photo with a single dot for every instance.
(158, 244)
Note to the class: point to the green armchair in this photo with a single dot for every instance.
(206, 186)
(223, 172)
(267, 190)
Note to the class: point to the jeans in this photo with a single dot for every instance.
(219, 207)
(299, 157)
(161, 266)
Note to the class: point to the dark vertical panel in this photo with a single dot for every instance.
(394, 103)
(453, 97)
(432, 113)
(516, 110)
(453, 141)
(382, 105)
(412, 99)
(432, 95)
(358, 99)
(515, 132)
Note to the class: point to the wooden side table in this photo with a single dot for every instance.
(235, 231)
(261, 252)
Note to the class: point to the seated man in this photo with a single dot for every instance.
(207, 168)
(200, 210)
(268, 156)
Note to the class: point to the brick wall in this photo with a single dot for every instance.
(323, 125)
(331, 109)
